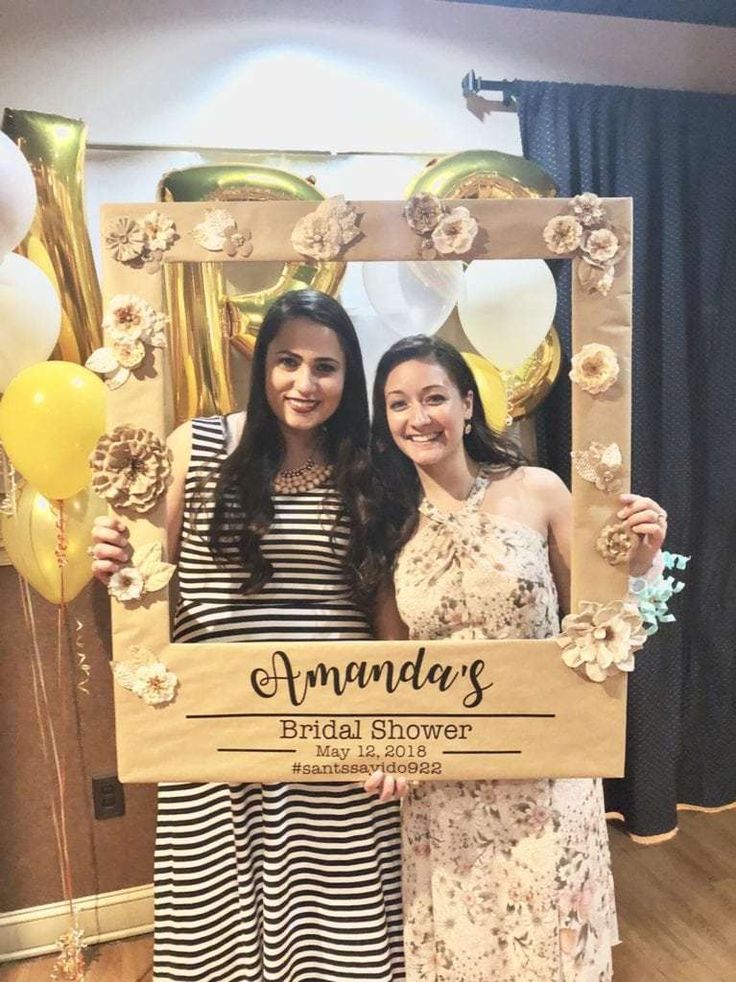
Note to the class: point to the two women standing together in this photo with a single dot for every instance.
(290, 522)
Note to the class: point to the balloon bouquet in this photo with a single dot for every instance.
(51, 413)
(51, 416)
(505, 308)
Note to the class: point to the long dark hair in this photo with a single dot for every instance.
(398, 474)
(244, 509)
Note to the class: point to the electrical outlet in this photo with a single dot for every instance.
(108, 797)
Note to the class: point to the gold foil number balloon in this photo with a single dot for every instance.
(58, 242)
(204, 320)
(490, 174)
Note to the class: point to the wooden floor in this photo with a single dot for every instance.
(677, 913)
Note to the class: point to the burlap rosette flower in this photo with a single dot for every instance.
(131, 468)
(131, 325)
(601, 639)
(445, 230)
(594, 368)
(600, 465)
(325, 232)
(219, 232)
(146, 677)
(616, 543)
(141, 244)
(587, 234)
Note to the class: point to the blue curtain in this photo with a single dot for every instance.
(674, 153)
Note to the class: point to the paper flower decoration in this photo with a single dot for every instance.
(601, 465)
(423, 212)
(588, 233)
(616, 543)
(601, 638)
(125, 239)
(130, 324)
(324, 233)
(444, 230)
(219, 233)
(455, 232)
(130, 468)
(563, 234)
(594, 368)
(141, 244)
(587, 209)
(147, 573)
(146, 677)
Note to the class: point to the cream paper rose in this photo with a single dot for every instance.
(600, 246)
(146, 677)
(125, 239)
(616, 543)
(323, 233)
(588, 209)
(159, 230)
(147, 573)
(126, 584)
(219, 233)
(600, 465)
(594, 368)
(455, 232)
(154, 684)
(563, 234)
(601, 639)
(423, 212)
(130, 324)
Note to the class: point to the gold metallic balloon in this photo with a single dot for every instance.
(31, 540)
(58, 241)
(491, 388)
(483, 174)
(489, 174)
(204, 320)
(528, 384)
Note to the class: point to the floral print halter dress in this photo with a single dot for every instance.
(504, 881)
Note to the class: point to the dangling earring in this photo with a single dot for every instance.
(468, 428)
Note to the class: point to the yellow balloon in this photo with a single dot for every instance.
(30, 538)
(58, 241)
(51, 417)
(492, 390)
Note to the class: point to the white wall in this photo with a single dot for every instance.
(378, 75)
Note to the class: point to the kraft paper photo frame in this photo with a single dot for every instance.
(440, 709)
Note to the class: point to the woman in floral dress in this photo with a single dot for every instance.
(504, 881)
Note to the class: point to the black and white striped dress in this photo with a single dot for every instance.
(277, 882)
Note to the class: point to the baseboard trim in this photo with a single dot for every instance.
(104, 917)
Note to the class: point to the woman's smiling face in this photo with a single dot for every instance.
(305, 374)
(426, 413)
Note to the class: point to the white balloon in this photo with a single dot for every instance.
(30, 316)
(507, 308)
(413, 298)
(17, 195)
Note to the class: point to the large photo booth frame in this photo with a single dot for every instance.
(314, 710)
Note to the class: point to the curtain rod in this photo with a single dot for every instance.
(472, 84)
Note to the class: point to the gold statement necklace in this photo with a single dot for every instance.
(305, 478)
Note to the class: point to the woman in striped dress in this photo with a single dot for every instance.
(270, 515)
